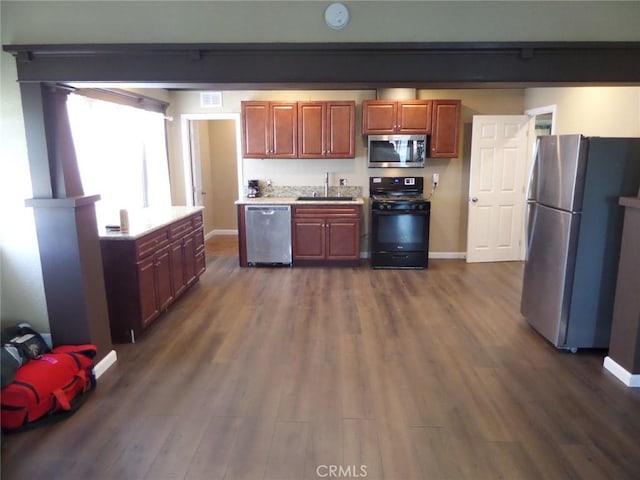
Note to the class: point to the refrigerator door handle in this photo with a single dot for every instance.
(533, 177)
(529, 219)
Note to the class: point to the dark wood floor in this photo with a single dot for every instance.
(281, 373)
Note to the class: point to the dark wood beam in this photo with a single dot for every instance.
(351, 65)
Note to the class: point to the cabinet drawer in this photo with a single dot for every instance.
(151, 243)
(198, 239)
(180, 228)
(327, 211)
(196, 221)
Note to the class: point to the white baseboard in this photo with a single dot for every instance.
(102, 366)
(214, 233)
(629, 379)
(448, 255)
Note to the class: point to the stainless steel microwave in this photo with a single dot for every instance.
(396, 151)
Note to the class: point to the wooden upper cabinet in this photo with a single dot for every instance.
(379, 117)
(414, 117)
(283, 130)
(341, 129)
(388, 117)
(446, 128)
(255, 129)
(269, 129)
(326, 129)
(311, 129)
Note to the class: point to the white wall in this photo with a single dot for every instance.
(303, 21)
(21, 286)
(591, 111)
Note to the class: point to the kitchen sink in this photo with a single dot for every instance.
(324, 199)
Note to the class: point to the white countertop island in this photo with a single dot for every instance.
(144, 221)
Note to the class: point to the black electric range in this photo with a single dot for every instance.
(400, 216)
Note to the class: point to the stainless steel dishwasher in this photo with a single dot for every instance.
(268, 231)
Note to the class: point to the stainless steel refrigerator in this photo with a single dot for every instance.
(574, 229)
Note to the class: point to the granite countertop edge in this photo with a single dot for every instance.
(294, 201)
(633, 202)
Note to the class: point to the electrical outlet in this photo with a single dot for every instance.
(343, 182)
(436, 178)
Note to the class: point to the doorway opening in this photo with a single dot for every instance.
(213, 168)
(544, 120)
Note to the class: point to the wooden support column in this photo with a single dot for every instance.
(624, 349)
(65, 223)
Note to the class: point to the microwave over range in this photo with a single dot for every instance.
(396, 151)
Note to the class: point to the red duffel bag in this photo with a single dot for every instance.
(48, 388)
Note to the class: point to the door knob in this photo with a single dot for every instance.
(474, 199)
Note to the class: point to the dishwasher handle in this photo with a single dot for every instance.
(267, 210)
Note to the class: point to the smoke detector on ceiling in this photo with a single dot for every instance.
(336, 16)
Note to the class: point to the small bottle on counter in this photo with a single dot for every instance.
(124, 221)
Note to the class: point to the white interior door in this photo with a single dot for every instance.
(499, 149)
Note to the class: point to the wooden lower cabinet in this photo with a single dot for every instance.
(308, 238)
(147, 287)
(200, 263)
(179, 267)
(154, 283)
(326, 233)
(144, 276)
(343, 239)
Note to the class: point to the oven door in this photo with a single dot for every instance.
(400, 239)
(399, 231)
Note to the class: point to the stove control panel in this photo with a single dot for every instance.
(396, 185)
(421, 205)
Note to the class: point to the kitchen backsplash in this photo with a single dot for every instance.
(302, 190)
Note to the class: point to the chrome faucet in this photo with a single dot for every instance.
(326, 184)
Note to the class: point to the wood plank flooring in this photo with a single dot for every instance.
(293, 374)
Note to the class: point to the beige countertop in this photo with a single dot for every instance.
(144, 221)
(293, 201)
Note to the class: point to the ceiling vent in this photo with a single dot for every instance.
(210, 99)
(396, 94)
